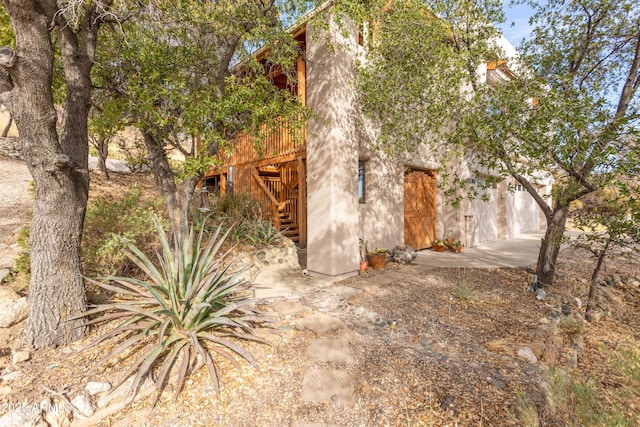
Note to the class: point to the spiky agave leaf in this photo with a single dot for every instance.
(177, 318)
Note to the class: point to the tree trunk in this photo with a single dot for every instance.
(550, 248)
(56, 291)
(177, 198)
(102, 147)
(58, 164)
(5, 132)
(594, 277)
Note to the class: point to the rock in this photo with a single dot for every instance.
(541, 294)
(11, 147)
(114, 165)
(527, 354)
(573, 358)
(576, 301)
(4, 272)
(22, 416)
(5, 390)
(122, 393)
(20, 356)
(403, 254)
(96, 387)
(578, 343)
(11, 376)
(13, 308)
(82, 406)
(594, 316)
(59, 415)
(498, 384)
(551, 355)
(537, 347)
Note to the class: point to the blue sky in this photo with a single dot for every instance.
(518, 14)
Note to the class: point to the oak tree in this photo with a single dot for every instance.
(55, 148)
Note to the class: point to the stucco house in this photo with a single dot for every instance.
(334, 189)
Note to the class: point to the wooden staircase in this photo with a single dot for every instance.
(288, 226)
(280, 192)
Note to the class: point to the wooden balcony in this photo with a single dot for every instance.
(276, 146)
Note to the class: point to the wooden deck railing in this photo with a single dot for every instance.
(275, 143)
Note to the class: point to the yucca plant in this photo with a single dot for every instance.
(182, 315)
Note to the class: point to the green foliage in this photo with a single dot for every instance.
(263, 234)
(628, 364)
(185, 75)
(250, 227)
(112, 224)
(23, 262)
(610, 222)
(172, 70)
(181, 316)
(7, 38)
(583, 402)
(135, 155)
(464, 291)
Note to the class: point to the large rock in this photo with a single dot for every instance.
(13, 308)
(113, 165)
(403, 254)
(22, 415)
(527, 354)
(250, 264)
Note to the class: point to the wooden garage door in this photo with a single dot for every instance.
(419, 209)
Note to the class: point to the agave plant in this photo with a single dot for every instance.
(184, 313)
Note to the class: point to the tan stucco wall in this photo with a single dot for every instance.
(381, 217)
(332, 159)
(337, 140)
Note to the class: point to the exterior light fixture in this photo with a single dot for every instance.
(204, 196)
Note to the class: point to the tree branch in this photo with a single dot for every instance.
(631, 83)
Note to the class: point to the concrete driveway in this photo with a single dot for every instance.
(518, 251)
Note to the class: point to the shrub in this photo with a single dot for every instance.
(181, 316)
(23, 262)
(112, 224)
(245, 212)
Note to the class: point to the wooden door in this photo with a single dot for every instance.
(419, 209)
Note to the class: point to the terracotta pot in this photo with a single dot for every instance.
(363, 266)
(439, 248)
(376, 261)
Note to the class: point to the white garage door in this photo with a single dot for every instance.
(485, 217)
(526, 212)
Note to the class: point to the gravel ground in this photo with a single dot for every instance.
(432, 348)
(16, 202)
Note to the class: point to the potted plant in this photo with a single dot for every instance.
(376, 257)
(439, 245)
(456, 246)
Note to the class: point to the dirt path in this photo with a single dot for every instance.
(16, 202)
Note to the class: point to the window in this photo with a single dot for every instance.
(361, 181)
